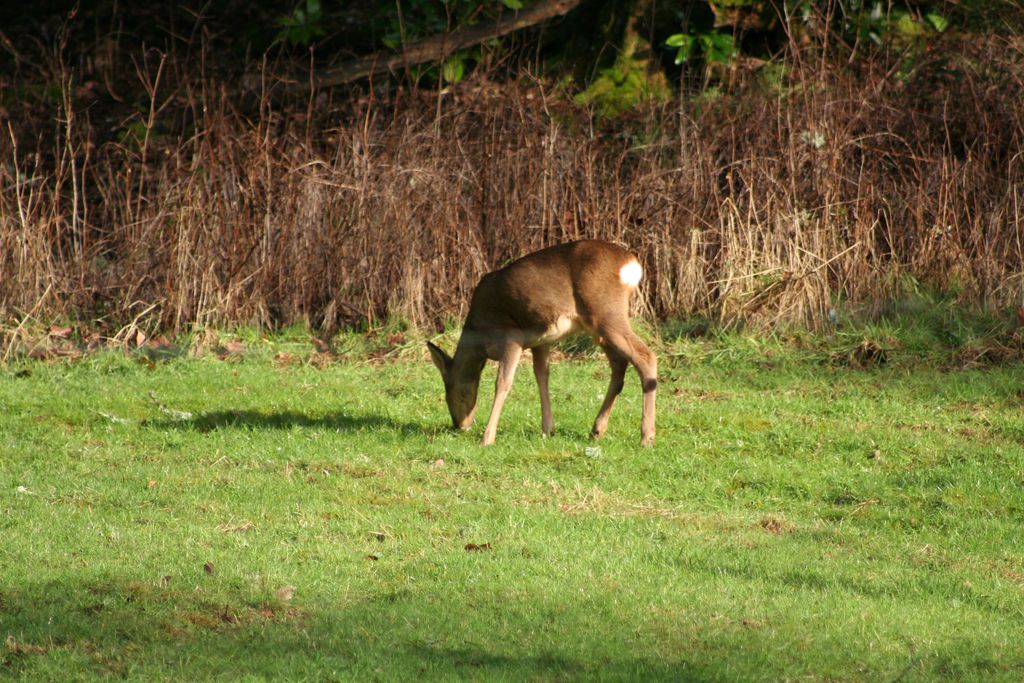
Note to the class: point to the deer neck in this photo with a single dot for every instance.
(468, 361)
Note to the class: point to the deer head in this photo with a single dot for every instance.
(460, 388)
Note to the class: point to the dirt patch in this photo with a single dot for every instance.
(775, 525)
(226, 616)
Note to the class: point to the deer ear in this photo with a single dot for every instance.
(442, 360)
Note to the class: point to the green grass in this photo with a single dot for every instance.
(797, 519)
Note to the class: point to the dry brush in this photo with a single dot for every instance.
(826, 185)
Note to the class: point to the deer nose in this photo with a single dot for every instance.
(465, 423)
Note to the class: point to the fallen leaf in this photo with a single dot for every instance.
(285, 593)
(160, 342)
(285, 358)
(231, 350)
(437, 464)
(474, 546)
(151, 483)
(208, 567)
(235, 528)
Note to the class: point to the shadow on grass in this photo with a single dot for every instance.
(81, 626)
(253, 419)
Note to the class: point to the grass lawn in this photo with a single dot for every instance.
(196, 518)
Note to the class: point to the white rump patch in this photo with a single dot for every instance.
(631, 273)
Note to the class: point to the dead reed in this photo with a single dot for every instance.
(827, 186)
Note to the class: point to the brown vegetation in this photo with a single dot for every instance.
(806, 185)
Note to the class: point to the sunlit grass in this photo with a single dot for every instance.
(196, 518)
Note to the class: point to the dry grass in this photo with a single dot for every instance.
(213, 204)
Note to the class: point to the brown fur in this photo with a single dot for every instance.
(531, 304)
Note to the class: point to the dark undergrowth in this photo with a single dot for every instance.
(148, 190)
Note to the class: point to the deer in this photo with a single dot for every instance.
(532, 303)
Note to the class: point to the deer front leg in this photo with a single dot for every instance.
(507, 363)
(540, 371)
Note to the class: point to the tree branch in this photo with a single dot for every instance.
(438, 47)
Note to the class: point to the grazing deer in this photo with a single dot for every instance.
(531, 304)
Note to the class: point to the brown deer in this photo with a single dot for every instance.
(531, 304)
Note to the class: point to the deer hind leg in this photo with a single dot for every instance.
(618, 364)
(629, 346)
(507, 363)
(540, 371)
